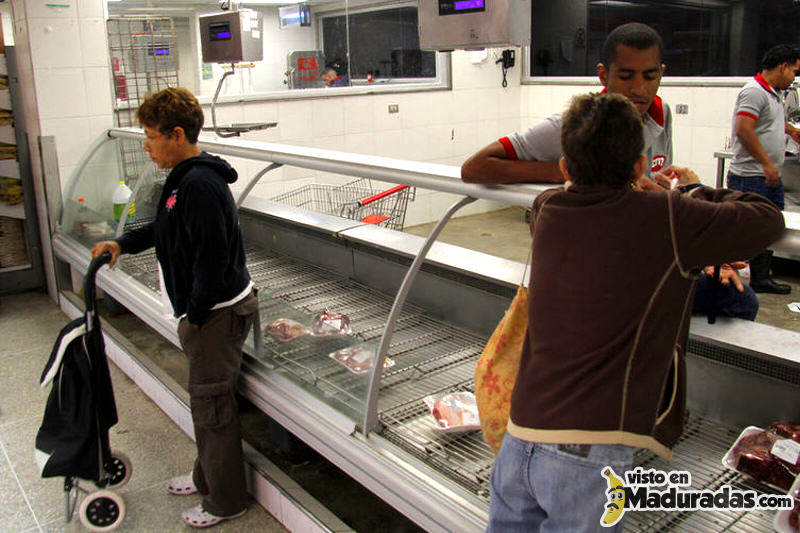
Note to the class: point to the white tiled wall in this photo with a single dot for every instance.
(68, 53)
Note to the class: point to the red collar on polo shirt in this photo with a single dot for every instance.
(767, 87)
(656, 109)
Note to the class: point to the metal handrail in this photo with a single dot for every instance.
(432, 176)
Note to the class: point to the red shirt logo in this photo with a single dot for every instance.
(171, 201)
(657, 163)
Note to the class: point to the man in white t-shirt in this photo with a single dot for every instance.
(631, 67)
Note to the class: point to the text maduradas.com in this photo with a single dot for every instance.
(642, 496)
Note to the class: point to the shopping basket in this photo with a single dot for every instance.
(73, 438)
(356, 200)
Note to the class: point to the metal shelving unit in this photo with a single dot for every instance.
(144, 59)
(19, 277)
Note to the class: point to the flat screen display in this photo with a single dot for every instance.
(220, 31)
(457, 7)
(463, 5)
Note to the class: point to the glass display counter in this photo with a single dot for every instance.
(430, 321)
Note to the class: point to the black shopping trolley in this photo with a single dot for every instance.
(73, 438)
(356, 200)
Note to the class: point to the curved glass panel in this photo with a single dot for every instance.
(88, 211)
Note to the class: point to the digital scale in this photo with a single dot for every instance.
(473, 24)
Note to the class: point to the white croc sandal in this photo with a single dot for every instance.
(199, 517)
(182, 485)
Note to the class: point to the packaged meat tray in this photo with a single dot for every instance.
(752, 454)
(786, 430)
(358, 359)
(285, 330)
(788, 521)
(454, 412)
(329, 323)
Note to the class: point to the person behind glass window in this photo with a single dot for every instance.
(335, 75)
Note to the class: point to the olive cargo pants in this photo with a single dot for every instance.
(215, 357)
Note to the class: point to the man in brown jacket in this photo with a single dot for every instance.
(602, 369)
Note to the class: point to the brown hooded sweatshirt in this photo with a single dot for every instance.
(612, 281)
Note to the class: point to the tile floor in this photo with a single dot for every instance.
(29, 324)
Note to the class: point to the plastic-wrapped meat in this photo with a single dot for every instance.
(285, 330)
(753, 457)
(786, 430)
(358, 359)
(329, 323)
(455, 411)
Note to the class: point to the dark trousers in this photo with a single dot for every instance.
(726, 301)
(757, 185)
(215, 357)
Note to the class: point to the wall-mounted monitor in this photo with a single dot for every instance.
(473, 24)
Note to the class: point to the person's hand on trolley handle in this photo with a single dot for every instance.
(107, 246)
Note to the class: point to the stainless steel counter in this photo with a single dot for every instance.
(302, 261)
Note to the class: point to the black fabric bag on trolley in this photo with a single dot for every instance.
(73, 437)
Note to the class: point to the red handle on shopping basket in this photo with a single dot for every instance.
(383, 194)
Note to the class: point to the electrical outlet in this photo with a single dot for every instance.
(394, 108)
(682, 109)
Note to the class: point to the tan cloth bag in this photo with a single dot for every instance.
(497, 369)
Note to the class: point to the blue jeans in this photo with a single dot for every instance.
(758, 185)
(551, 488)
(729, 301)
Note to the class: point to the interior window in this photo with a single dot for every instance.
(367, 45)
(701, 37)
(384, 44)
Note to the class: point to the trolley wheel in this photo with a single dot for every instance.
(102, 511)
(119, 469)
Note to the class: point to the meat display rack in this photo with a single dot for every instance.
(433, 356)
(375, 427)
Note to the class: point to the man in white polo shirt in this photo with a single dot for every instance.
(631, 67)
(759, 140)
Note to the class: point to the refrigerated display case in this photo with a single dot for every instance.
(427, 306)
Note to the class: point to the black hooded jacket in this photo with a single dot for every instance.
(197, 237)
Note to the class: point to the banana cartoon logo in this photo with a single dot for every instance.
(615, 507)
